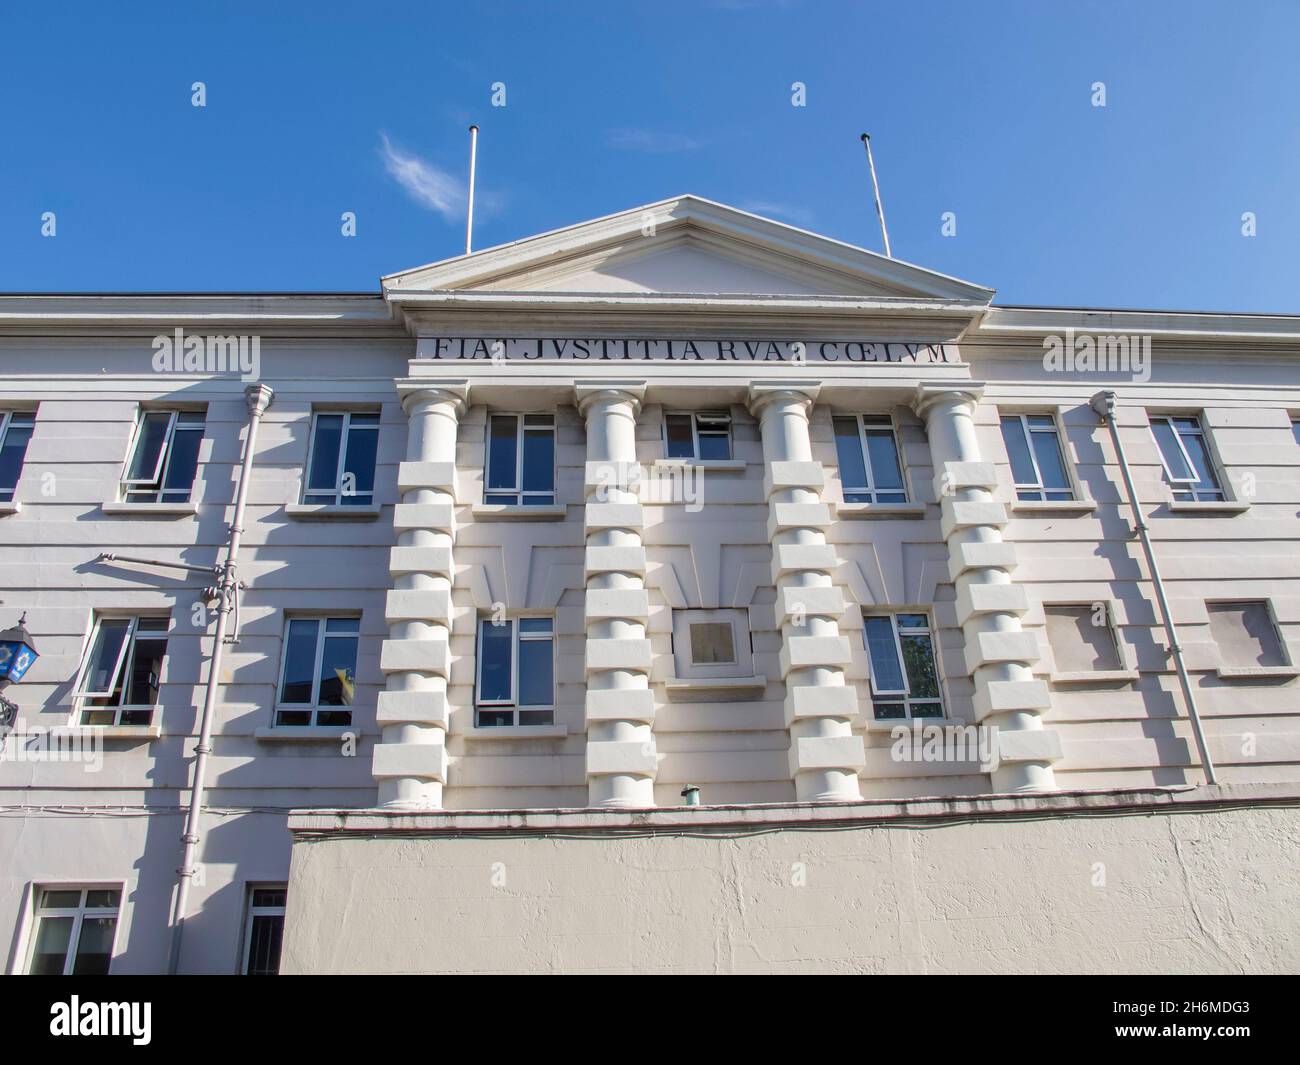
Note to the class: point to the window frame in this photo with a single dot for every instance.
(1058, 438)
(314, 707)
(846, 490)
(122, 670)
(251, 912)
(544, 499)
(1124, 654)
(742, 642)
(1187, 486)
(27, 420)
(1284, 649)
(904, 695)
(347, 415)
(511, 702)
(34, 913)
(134, 486)
(695, 416)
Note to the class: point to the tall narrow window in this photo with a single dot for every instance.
(15, 431)
(264, 930)
(870, 470)
(318, 672)
(74, 931)
(702, 435)
(164, 457)
(516, 672)
(1187, 460)
(520, 460)
(1036, 461)
(904, 680)
(120, 677)
(341, 464)
(1245, 634)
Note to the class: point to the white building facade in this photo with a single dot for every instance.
(544, 545)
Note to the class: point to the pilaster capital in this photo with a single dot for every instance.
(453, 392)
(258, 398)
(764, 394)
(589, 392)
(933, 395)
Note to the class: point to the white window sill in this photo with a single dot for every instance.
(9, 508)
(518, 512)
(1257, 672)
(173, 509)
(875, 724)
(714, 689)
(331, 512)
(515, 732)
(1053, 506)
(1230, 507)
(1094, 676)
(305, 733)
(142, 733)
(876, 511)
(721, 465)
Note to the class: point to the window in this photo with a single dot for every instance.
(164, 457)
(74, 931)
(15, 431)
(870, 470)
(264, 930)
(1245, 634)
(516, 672)
(1186, 456)
(1295, 432)
(520, 460)
(341, 459)
(702, 435)
(1034, 448)
(1082, 638)
(318, 672)
(120, 677)
(904, 681)
(712, 643)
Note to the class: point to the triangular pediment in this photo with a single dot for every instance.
(684, 246)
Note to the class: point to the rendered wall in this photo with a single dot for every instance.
(1158, 891)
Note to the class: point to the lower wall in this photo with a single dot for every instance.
(1164, 880)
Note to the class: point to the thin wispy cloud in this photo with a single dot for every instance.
(650, 141)
(428, 185)
(800, 216)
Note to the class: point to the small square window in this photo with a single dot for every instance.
(704, 435)
(712, 643)
(1246, 634)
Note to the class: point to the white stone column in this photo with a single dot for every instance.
(410, 761)
(621, 754)
(999, 653)
(820, 708)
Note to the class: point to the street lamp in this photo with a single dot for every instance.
(17, 653)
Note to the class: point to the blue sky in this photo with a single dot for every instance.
(980, 109)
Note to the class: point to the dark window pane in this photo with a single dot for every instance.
(269, 897)
(11, 459)
(182, 464)
(1200, 456)
(104, 654)
(490, 717)
(1047, 450)
(494, 653)
(1022, 463)
(359, 464)
(60, 899)
(51, 950)
(890, 711)
(918, 657)
(680, 438)
(1175, 464)
(325, 453)
(715, 446)
(539, 460)
(265, 937)
(848, 446)
(293, 718)
(712, 643)
(338, 669)
(299, 661)
(502, 459)
(95, 946)
(882, 449)
(146, 668)
(536, 717)
(536, 673)
(148, 447)
(927, 710)
(535, 625)
(103, 899)
(884, 656)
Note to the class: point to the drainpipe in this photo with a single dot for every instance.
(1104, 404)
(258, 398)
